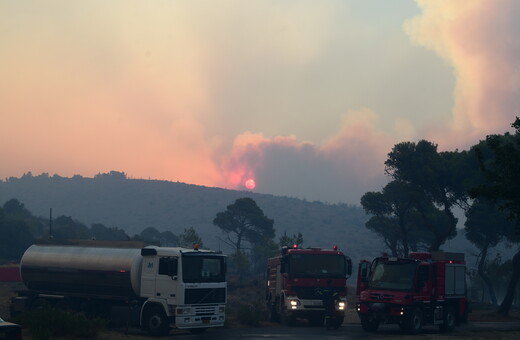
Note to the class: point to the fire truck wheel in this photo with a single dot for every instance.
(271, 311)
(369, 323)
(338, 321)
(155, 321)
(285, 318)
(413, 321)
(449, 319)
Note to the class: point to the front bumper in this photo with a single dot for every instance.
(200, 316)
(295, 304)
(385, 312)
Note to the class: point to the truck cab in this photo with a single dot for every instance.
(189, 285)
(425, 288)
(301, 281)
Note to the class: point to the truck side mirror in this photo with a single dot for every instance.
(364, 270)
(348, 266)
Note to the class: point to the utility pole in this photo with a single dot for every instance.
(50, 224)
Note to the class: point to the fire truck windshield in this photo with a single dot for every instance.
(317, 265)
(392, 275)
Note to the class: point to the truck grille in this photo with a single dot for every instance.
(205, 295)
(381, 297)
(205, 310)
(311, 292)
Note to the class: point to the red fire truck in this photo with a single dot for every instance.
(299, 280)
(425, 288)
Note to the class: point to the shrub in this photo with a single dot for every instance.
(46, 324)
(250, 315)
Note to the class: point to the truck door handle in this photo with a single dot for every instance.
(158, 294)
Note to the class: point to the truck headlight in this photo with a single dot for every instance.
(181, 311)
(342, 305)
(294, 303)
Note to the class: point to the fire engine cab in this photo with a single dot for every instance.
(299, 281)
(425, 288)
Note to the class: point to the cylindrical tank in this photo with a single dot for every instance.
(82, 270)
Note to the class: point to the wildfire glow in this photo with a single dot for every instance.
(250, 184)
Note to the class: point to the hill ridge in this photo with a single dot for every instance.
(135, 204)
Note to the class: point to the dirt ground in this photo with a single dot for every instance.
(253, 291)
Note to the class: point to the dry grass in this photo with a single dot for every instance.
(7, 291)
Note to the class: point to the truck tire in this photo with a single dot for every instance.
(155, 321)
(369, 323)
(285, 318)
(271, 313)
(413, 321)
(448, 319)
(338, 321)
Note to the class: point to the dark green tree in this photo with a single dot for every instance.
(395, 218)
(499, 158)
(150, 235)
(15, 237)
(189, 238)
(99, 231)
(436, 176)
(260, 252)
(500, 163)
(16, 209)
(169, 239)
(244, 221)
(289, 241)
(485, 227)
(65, 228)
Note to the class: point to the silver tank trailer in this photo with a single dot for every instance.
(82, 270)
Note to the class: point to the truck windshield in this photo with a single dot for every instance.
(317, 265)
(392, 275)
(201, 268)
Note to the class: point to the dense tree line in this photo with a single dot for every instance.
(415, 210)
(19, 229)
(246, 228)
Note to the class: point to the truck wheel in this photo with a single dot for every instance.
(285, 318)
(338, 321)
(413, 321)
(271, 313)
(449, 319)
(369, 323)
(156, 322)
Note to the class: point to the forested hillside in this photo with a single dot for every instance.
(135, 204)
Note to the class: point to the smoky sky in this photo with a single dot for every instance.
(306, 97)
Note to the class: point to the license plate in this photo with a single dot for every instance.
(205, 320)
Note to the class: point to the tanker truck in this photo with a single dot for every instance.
(152, 287)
